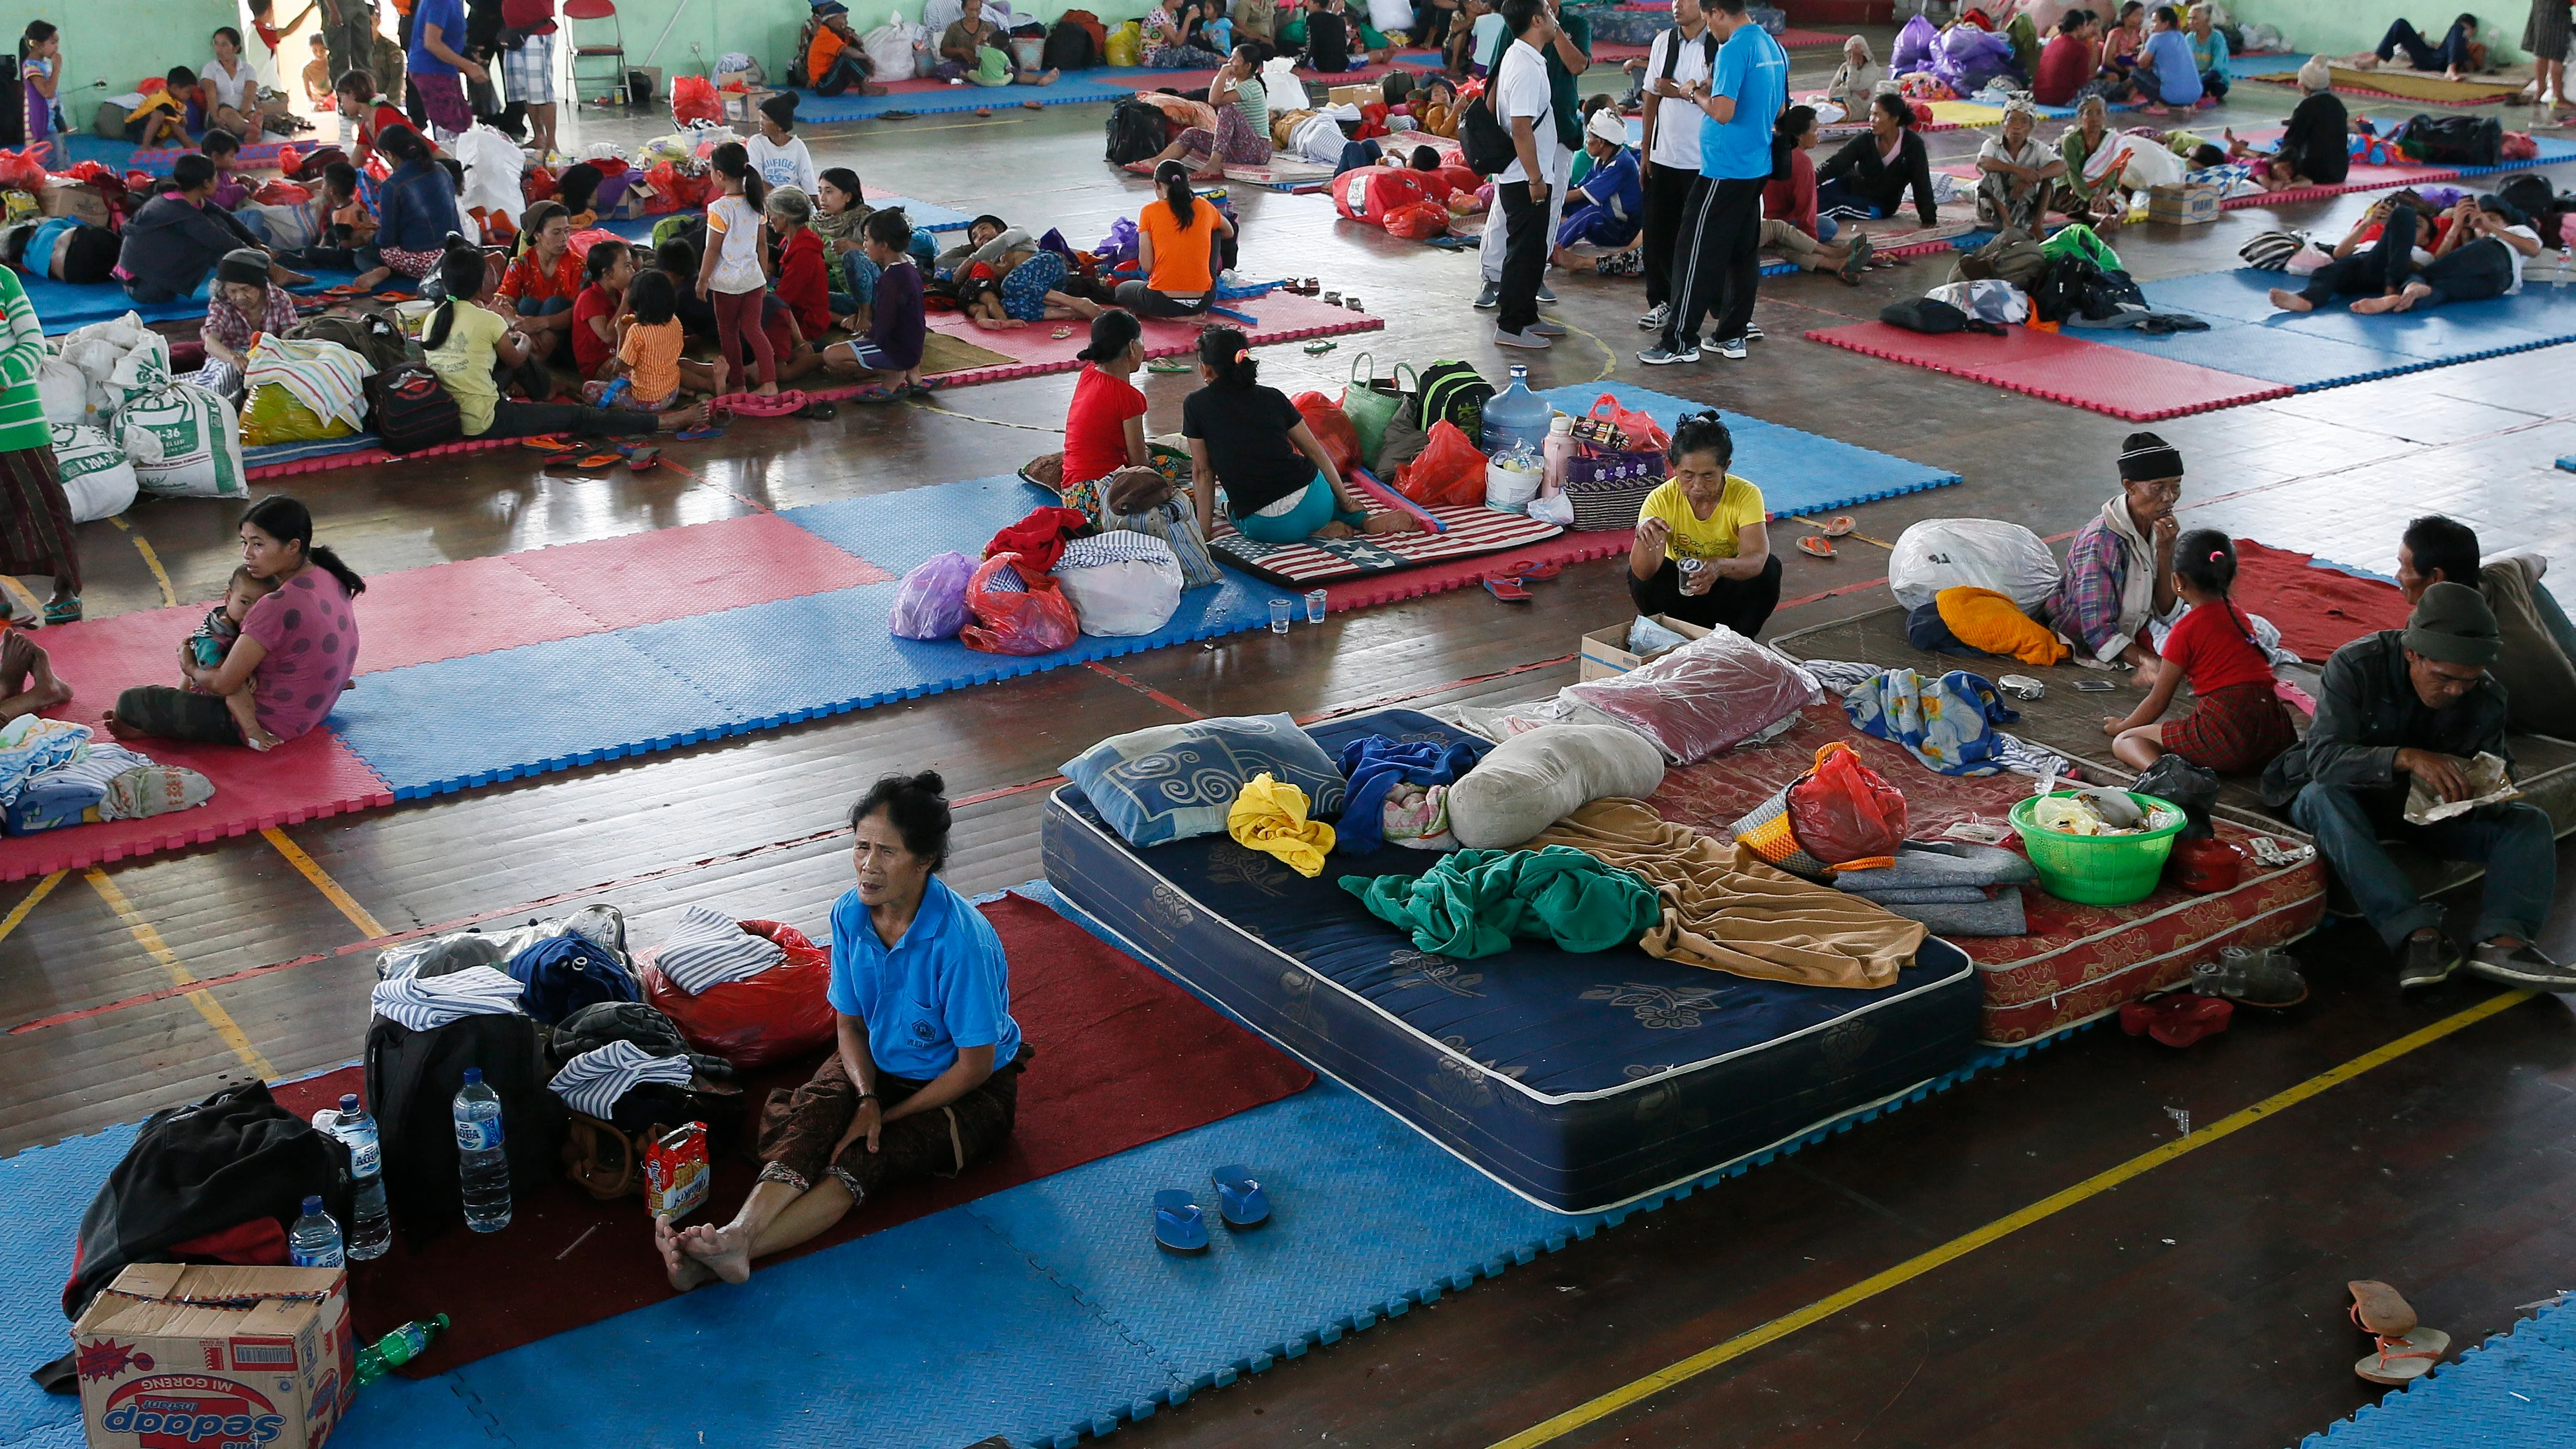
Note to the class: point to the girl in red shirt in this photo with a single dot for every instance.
(605, 273)
(2239, 724)
(1104, 429)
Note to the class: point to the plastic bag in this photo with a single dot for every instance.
(892, 49)
(492, 164)
(780, 1013)
(693, 98)
(931, 604)
(1945, 553)
(1127, 44)
(1374, 193)
(1421, 221)
(1127, 596)
(22, 171)
(1034, 619)
(1341, 441)
(1914, 46)
(1119, 246)
(1711, 694)
(1449, 474)
(1844, 813)
(1638, 432)
(271, 414)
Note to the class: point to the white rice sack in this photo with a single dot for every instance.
(192, 439)
(63, 391)
(97, 476)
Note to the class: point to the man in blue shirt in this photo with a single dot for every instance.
(1719, 262)
(924, 1077)
(2165, 65)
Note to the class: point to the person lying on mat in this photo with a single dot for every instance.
(1242, 133)
(1871, 174)
(1001, 278)
(464, 339)
(2459, 50)
(298, 645)
(2408, 707)
(1703, 546)
(2480, 253)
(2119, 570)
(925, 1076)
(1280, 483)
(2537, 663)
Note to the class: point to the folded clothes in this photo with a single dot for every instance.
(1921, 864)
(2000, 916)
(1474, 901)
(1924, 896)
(1375, 764)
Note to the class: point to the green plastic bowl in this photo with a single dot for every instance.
(2097, 870)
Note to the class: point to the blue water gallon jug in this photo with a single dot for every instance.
(1516, 415)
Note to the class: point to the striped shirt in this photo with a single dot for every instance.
(710, 949)
(426, 1003)
(22, 412)
(592, 1082)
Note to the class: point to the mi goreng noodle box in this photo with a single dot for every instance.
(177, 1356)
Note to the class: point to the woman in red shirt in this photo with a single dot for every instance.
(803, 278)
(537, 293)
(355, 95)
(1790, 194)
(1104, 429)
(606, 271)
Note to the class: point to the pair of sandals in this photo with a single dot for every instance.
(1820, 544)
(1180, 1224)
(2405, 1349)
(564, 455)
(1511, 585)
(56, 611)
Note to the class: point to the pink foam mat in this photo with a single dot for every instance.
(2124, 383)
(1034, 350)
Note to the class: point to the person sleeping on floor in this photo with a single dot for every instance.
(2478, 249)
(924, 1076)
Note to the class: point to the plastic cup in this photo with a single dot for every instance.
(1280, 609)
(1314, 606)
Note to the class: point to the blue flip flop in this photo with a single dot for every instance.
(1239, 1199)
(1179, 1226)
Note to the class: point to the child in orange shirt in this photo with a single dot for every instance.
(650, 342)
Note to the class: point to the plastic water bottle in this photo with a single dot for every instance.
(315, 1243)
(371, 1228)
(484, 1168)
(1560, 450)
(1516, 415)
(397, 1348)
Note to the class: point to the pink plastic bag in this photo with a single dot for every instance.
(1035, 619)
(931, 603)
(1711, 694)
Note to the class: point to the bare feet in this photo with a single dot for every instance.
(1335, 529)
(766, 389)
(29, 675)
(120, 728)
(261, 740)
(725, 1251)
(687, 417)
(1392, 523)
(2394, 301)
(684, 1271)
(369, 281)
(2293, 302)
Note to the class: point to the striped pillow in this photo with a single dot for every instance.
(710, 949)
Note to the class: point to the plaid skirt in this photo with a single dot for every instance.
(2234, 731)
(36, 524)
(529, 71)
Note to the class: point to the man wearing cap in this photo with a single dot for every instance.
(2538, 664)
(2411, 705)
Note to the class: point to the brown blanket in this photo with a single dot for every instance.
(1729, 910)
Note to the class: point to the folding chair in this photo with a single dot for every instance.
(605, 39)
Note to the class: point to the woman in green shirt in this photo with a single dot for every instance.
(35, 516)
(1242, 134)
(2099, 202)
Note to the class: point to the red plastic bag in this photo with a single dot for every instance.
(775, 1015)
(693, 98)
(1450, 473)
(1039, 621)
(1331, 428)
(1844, 813)
(1370, 193)
(1640, 431)
(675, 191)
(21, 171)
(282, 192)
(582, 241)
(1421, 221)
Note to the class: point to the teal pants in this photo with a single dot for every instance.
(1314, 509)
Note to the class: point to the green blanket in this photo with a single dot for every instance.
(1474, 901)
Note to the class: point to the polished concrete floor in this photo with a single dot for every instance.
(2199, 1303)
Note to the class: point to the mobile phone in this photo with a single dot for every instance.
(2094, 686)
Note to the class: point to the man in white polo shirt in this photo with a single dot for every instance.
(1524, 104)
(1679, 59)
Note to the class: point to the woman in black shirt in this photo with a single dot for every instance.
(1870, 175)
(2316, 147)
(1280, 484)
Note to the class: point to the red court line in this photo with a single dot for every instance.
(1141, 687)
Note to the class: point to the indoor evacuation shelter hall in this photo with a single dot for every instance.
(1403, 723)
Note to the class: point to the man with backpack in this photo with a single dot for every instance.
(1720, 258)
(1526, 189)
(1680, 58)
(1567, 54)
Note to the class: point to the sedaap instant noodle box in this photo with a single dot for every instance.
(179, 1356)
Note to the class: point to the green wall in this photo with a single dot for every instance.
(2341, 27)
(122, 41)
(766, 29)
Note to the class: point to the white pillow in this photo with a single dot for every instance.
(1532, 781)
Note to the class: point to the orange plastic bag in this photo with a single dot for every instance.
(1331, 428)
(1844, 813)
(1007, 621)
(1450, 473)
(777, 1014)
(693, 98)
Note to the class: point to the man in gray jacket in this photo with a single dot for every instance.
(2416, 704)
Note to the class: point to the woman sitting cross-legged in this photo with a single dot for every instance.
(1280, 483)
(470, 346)
(924, 1078)
(1703, 549)
(1176, 249)
(1871, 174)
(1242, 134)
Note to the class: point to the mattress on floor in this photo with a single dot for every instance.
(2078, 962)
(1578, 1081)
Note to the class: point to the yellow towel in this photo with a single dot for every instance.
(1984, 619)
(1271, 816)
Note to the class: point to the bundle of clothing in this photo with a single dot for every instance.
(1951, 887)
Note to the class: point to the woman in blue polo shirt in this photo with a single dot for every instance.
(925, 1078)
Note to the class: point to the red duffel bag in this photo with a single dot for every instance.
(1372, 193)
(777, 1014)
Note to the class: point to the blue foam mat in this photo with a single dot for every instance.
(1069, 91)
(61, 306)
(2517, 1388)
(2334, 346)
(1798, 472)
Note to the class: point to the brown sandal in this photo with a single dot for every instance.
(2380, 1309)
(2402, 1359)
(1816, 544)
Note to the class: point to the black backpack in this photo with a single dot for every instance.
(2453, 140)
(1924, 314)
(368, 334)
(2060, 291)
(1068, 47)
(1137, 132)
(1456, 393)
(412, 1080)
(409, 409)
(2529, 193)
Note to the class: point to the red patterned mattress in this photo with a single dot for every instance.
(2078, 962)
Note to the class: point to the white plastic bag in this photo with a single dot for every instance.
(1984, 553)
(185, 442)
(492, 165)
(1279, 80)
(1134, 592)
(735, 65)
(97, 476)
(1391, 15)
(1988, 299)
(893, 50)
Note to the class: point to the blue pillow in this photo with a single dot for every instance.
(1175, 781)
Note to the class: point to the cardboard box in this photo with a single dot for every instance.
(176, 1356)
(1361, 95)
(2182, 204)
(72, 198)
(1605, 651)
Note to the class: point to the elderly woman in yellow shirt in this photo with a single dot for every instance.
(1703, 549)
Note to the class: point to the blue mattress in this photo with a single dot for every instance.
(1579, 1081)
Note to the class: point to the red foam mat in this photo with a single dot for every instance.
(2318, 610)
(1439, 578)
(1123, 1057)
(1281, 317)
(2138, 386)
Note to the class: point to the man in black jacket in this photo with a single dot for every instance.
(2418, 703)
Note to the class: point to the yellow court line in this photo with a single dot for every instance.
(159, 950)
(1629, 1395)
(331, 889)
(18, 913)
(151, 560)
(19, 593)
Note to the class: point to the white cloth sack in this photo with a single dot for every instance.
(893, 50)
(492, 165)
(185, 442)
(1121, 583)
(97, 476)
(1984, 553)
(62, 391)
(1389, 16)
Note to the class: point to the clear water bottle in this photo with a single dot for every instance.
(483, 1167)
(371, 1228)
(397, 1348)
(1516, 415)
(315, 1243)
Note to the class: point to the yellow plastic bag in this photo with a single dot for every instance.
(1127, 44)
(272, 415)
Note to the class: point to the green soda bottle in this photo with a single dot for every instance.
(397, 1348)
